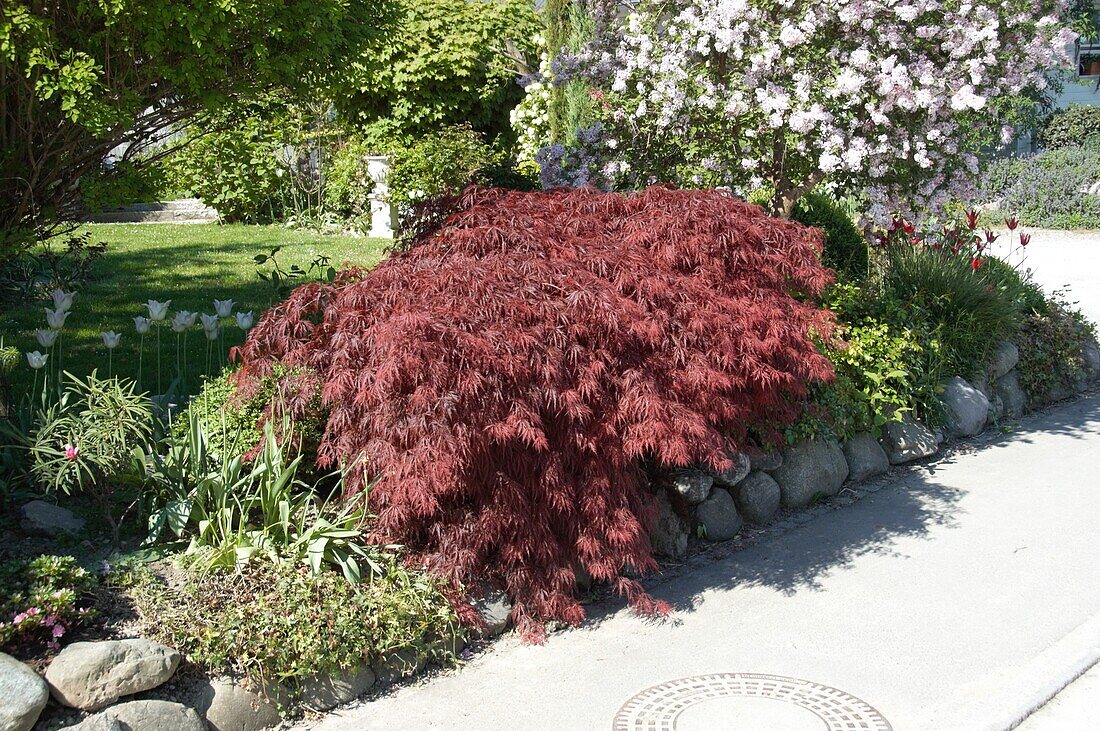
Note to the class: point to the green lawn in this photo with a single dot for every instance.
(189, 264)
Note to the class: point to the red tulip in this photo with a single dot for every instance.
(976, 263)
(1012, 223)
(972, 219)
(1025, 239)
(990, 237)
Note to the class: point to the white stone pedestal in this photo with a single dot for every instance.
(383, 215)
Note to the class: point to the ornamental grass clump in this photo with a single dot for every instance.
(509, 375)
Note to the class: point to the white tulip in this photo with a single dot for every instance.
(141, 324)
(224, 308)
(211, 333)
(62, 300)
(56, 318)
(209, 322)
(244, 320)
(45, 338)
(111, 338)
(183, 320)
(157, 310)
(36, 360)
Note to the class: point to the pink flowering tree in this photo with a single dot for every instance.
(889, 97)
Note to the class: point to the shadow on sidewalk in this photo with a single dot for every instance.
(908, 503)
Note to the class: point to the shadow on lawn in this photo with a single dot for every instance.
(910, 502)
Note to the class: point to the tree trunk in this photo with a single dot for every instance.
(787, 194)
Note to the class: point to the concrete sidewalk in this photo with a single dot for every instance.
(961, 595)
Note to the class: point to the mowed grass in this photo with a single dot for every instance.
(191, 265)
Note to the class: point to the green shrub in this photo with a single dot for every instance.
(42, 599)
(845, 246)
(232, 162)
(971, 309)
(887, 362)
(230, 425)
(127, 183)
(87, 440)
(1051, 361)
(347, 185)
(436, 165)
(1048, 189)
(1069, 127)
(443, 63)
(271, 623)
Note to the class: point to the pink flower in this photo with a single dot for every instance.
(57, 631)
(72, 452)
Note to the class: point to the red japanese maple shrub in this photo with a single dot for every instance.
(506, 376)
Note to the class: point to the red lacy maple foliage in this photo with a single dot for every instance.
(506, 376)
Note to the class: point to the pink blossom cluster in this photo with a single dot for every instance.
(883, 94)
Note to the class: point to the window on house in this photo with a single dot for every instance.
(1088, 53)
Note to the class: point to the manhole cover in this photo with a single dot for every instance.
(746, 701)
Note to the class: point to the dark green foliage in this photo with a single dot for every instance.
(272, 623)
(42, 599)
(845, 246)
(1051, 362)
(1069, 127)
(445, 63)
(973, 309)
(1047, 189)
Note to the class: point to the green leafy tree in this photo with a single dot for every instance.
(447, 63)
(79, 78)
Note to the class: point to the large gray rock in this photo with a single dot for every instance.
(757, 497)
(145, 716)
(495, 609)
(670, 534)
(866, 457)
(397, 665)
(966, 408)
(227, 706)
(1007, 390)
(1090, 353)
(734, 473)
(908, 440)
(812, 467)
(1004, 358)
(691, 484)
(765, 460)
(718, 516)
(98, 722)
(23, 695)
(325, 692)
(93, 675)
(40, 518)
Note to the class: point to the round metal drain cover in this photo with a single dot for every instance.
(746, 701)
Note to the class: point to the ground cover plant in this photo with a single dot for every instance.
(189, 265)
(555, 341)
(1050, 189)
